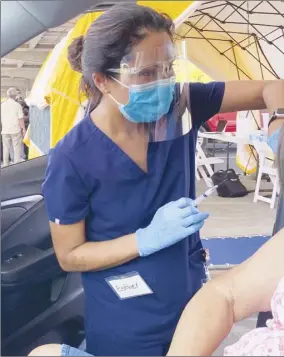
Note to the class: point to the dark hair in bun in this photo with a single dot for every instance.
(109, 39)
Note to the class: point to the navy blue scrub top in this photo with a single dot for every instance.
(89, 177)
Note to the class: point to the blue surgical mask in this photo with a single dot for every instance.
(148, 102)
(272, 140)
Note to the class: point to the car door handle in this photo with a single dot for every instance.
(24, 264)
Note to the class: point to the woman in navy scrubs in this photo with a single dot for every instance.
(119, 186)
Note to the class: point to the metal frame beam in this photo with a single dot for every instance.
(233, 42)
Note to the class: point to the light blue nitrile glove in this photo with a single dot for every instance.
(171, 223)
(273, 139)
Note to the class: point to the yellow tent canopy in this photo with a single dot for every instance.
(231, 40)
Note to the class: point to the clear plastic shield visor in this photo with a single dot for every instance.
(152, 92)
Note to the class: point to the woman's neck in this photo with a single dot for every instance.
(109, 119)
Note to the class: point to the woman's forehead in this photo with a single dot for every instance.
(156, 47)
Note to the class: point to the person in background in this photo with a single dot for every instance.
(25, 108)
(27, 122)
(13, 127)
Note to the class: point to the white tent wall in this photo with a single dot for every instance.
(236, 39)
(40, 128)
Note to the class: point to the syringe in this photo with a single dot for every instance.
(207, 193)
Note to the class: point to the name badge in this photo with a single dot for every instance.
(129, 285)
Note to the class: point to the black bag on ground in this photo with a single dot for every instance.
(231, 185)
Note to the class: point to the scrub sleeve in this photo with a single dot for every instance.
(65, 195)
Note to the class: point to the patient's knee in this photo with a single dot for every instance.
(47, 350)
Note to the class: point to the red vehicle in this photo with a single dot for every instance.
(212, 125)
(231, 119)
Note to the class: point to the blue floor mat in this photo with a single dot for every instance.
(232, 250)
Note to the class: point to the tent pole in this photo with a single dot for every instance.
(187, 12)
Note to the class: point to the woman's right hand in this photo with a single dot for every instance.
(172, 223)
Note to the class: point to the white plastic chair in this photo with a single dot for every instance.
(266, 166)
(203, 162)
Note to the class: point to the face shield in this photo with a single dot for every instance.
(153, 93)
